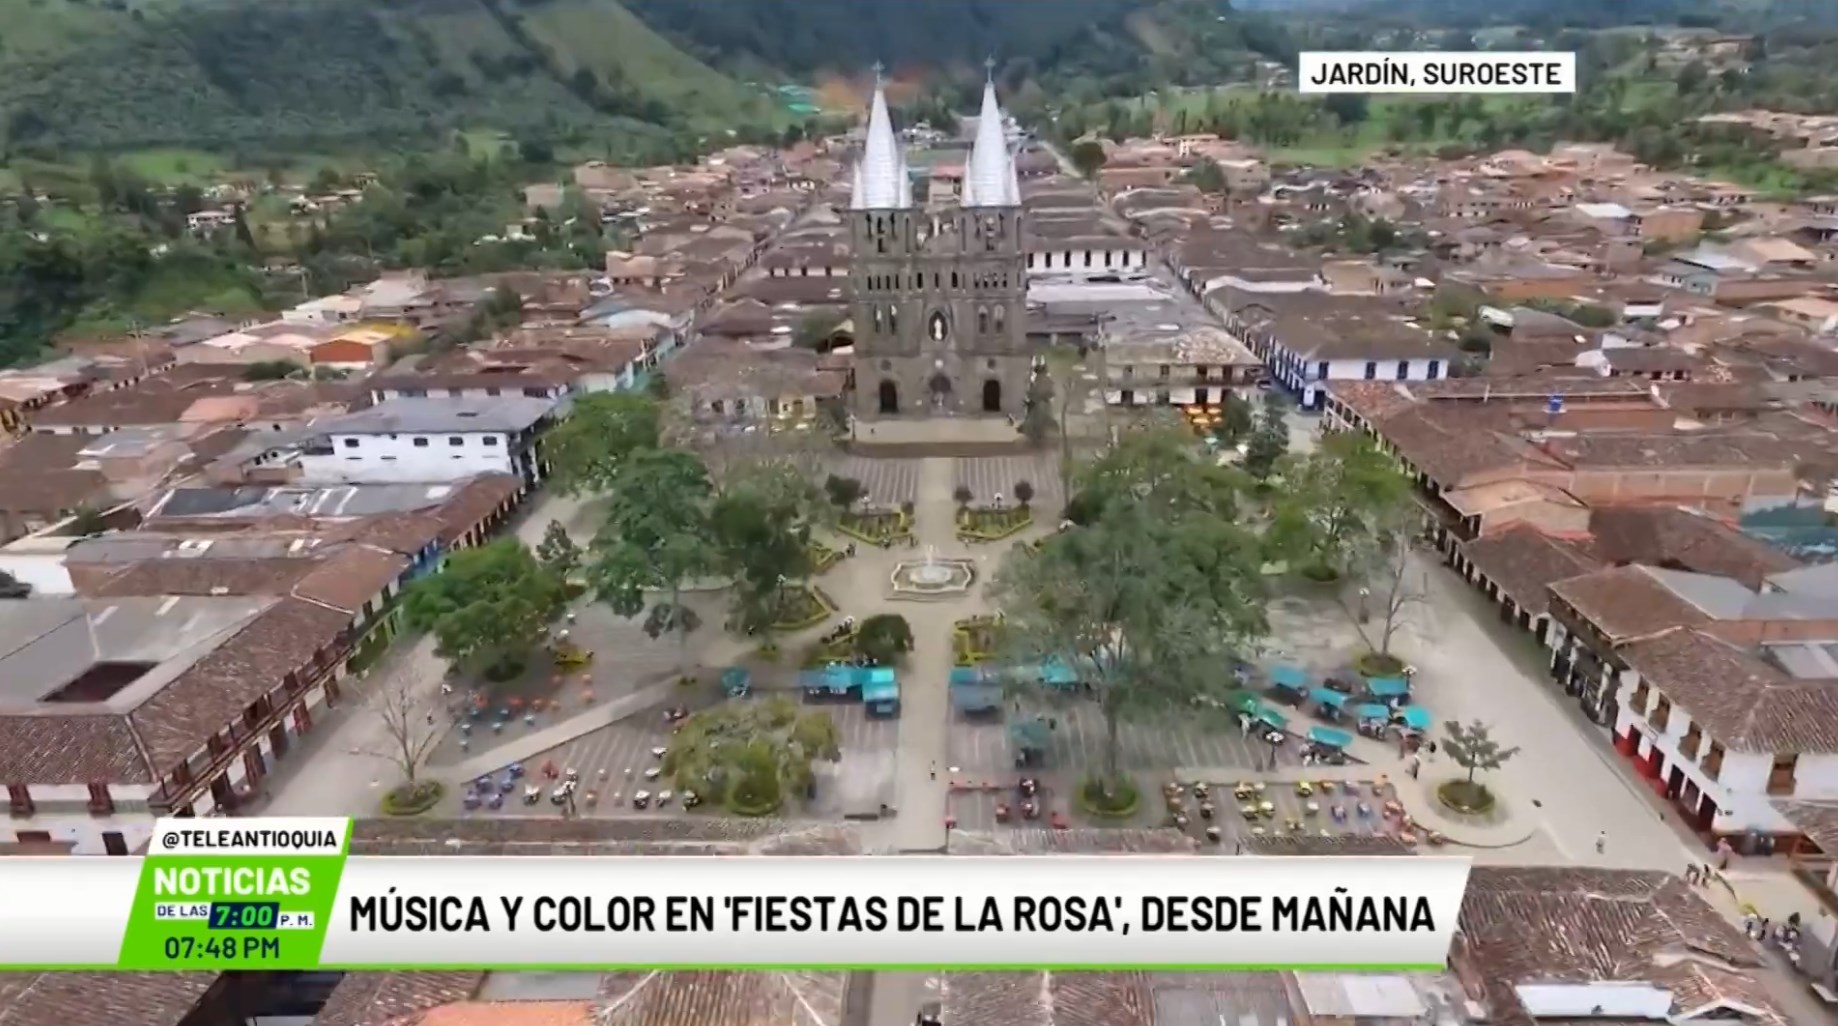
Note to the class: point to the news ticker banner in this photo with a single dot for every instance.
(283, 894)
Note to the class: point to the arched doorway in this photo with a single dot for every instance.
(890, 397)
(992, 396)
(941, 391)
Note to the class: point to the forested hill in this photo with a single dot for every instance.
(226, 73)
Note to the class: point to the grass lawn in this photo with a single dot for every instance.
(175, 166)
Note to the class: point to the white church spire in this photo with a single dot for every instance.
(990, 179)
(881, 181)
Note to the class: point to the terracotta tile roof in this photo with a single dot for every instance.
(1817, 820)
(351, 577)
(518, 1013)
(100, 999)
(1567, 924)
(1047, 999)
(1525, 562)
(191, 575)
(1701, 449)
(1627, 602)
(383, 999)
(1742, 702)
(1452, 443)
(407, 533)
(38, 749)
(50, 492)
(177, 720)
(1669, 536)
(723, 999)
(1145, 841)
(1348, 845)
(474, 502)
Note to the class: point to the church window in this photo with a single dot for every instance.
(1001, 317)
(954, 279)
(937, 327)
(877, 318)
(893, 320)
(982, 320)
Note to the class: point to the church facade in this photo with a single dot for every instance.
(938, 297)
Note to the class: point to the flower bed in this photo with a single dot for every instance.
(823, 557)
(1120, 802)
(803, 606)
(975, 640)
(1377, 664)
(412, 799)
(1465, 796)
(881, 527)
(986, 525)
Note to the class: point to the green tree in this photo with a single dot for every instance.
(749, 755)
(585, 450)
(1269, 440)
(488, 607)
(1024, 493)
(1237, 419)
(1336, 503)
(1148, 604)
(656, 538)
(1164, 468)
(815, 328)
(1207, 176)
(884, 638)
(1087, 157)
(843, 492)
(557, 551)
(1473, 747)
(272, 370)
(761, 527)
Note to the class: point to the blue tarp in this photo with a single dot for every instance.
(1291, 677)
(1417, 718)
(877, 677)
(878, 690)
(971, 676)
(1388, 687)
(1056, 673)
(835, 679)
(1328, 736)
(1328, 697)
(1372, 711)
(1274, 718)
(736, 680)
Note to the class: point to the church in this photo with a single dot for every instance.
(939, 297)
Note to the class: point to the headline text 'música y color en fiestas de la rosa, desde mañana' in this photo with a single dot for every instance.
(1336, 913)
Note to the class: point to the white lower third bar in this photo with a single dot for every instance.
(1416, 71)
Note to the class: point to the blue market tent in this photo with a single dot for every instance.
(834, 680)
(1330, 737)
(881, 690)
(1372, 711)
(1328, 697)
(1273, 718)
(736, 681)
(1055, 673)
(1388, 687)
(1292, 678)
(1417, 718)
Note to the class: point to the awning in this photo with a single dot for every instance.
(1328, 697)
(1245, 702)
(1330, 737)
(1272, 717)
(880, 691)
(1057, 673)
(1388, 687)
(880, 677)
(1372, 711)
(1292, 677)
(1417, 718)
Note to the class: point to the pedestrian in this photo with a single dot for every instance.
(1244, 724)
(1724, 851)
(934, 770)
(1704, 877)
(1749, 923)
(1691, 874)
(1415, 766)
(1601, 842)
(570, 615)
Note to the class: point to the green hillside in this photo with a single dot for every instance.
(228, 74)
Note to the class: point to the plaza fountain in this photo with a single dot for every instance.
(932, 577)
